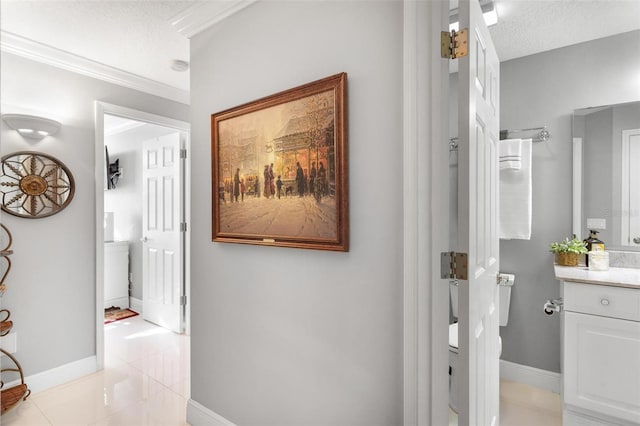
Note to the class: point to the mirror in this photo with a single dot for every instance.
(34, 185)
(606, 174)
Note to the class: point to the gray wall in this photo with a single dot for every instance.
(286, 336)
(538, 90)
(51, 286)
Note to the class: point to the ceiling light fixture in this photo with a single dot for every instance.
(489, 13)
(31, 126)
(179, 65)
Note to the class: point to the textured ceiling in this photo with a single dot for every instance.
(137, 36)
(526, 27)
(134, 36)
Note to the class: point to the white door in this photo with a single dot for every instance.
(162, 238)
(631, 187)
(478, 132)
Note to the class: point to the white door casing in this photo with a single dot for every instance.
(630, 188)
(162, 215)
(478, 192)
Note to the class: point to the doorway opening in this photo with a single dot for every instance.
(142, 238)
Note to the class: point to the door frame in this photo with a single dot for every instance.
(625, 144)
(426, 213)
(100, 109)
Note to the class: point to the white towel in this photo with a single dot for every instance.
(510, 154)
(515, 198)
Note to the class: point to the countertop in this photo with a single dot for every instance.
(617, 277)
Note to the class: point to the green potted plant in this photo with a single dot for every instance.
(567, 251)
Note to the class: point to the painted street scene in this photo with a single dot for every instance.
(291, 216)
(277, 170)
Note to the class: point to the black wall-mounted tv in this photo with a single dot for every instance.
(112, 171)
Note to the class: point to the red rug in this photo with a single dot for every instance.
(117, 314)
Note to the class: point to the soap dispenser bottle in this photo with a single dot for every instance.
(593, 244)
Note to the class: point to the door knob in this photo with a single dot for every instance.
(144, 239)
(636, 240)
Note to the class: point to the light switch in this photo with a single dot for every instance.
(596, 223)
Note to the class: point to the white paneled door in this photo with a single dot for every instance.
(478, 132)
(162, 238)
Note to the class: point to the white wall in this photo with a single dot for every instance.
(545, 89)
(51, 286)
(286, 336)
(125, 201)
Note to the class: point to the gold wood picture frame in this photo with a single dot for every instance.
(280, 170)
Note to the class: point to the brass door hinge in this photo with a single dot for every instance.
(455, 44)
(453, 265)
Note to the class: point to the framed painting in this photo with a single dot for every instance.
(280, 172)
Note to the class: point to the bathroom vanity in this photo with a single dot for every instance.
(116, 274)
(600, 345)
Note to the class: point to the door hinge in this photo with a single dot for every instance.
(455, 44)
(453, 265)
(183, 153)
(183, 300)
(183, 226)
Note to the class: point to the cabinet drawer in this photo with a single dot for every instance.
(608, 301)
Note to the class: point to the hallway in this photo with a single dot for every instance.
(145, 382)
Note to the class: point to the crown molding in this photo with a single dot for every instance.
(39, 52)
(203, 15)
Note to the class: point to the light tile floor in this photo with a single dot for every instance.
(146, 382)
(524, 405)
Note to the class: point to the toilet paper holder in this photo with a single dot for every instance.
(552, 306)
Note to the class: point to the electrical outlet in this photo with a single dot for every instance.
(596, 223)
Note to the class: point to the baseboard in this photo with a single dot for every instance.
(199, 415)
(543, 379)
(121, 302)
(135, 305)
(59, 375)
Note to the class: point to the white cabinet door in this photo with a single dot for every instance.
(116, 274)
(601, 365)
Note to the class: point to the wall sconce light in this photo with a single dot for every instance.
(31, 126)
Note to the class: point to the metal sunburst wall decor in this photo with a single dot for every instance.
(35, 185)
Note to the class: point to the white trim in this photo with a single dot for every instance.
(412, 366)
(36, 51)
(99, 180)
(121, 302)
(102, 108)
(625, 237)
(577, 186)
(425, 219)
(198, 414)
(532, 376)
(136, 305)
(60, 375)
(203, 15)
